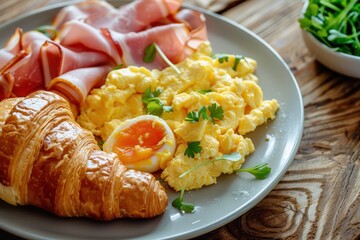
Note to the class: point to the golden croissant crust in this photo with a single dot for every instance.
(47, 160)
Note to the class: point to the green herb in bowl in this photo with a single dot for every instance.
(336, 23)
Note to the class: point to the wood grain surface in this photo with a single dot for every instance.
(319, 197)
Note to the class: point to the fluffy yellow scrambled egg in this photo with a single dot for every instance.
(229, 82)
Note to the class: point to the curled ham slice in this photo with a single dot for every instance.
(195, 21)
(57, 60)
(76, 84)
(132, 17)
(25, 69)
(14, 43)
(81, 11)
(80, 36)
(22, 71)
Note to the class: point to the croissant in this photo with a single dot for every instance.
(47, 160)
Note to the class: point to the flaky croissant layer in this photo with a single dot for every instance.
(47, 160)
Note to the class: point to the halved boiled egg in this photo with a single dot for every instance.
(143, 143)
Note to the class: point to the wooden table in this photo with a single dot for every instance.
(319, 197)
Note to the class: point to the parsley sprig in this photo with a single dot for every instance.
(194, 116)
(216, 112)
(192, 149)
(154, 106)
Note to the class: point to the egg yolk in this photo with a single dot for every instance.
(140, 141)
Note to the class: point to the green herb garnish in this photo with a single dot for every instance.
(150, 53)
(154, 106)
(222, 58)
(204, 91)
(335, 23)
(225, 58)
(192, 149)
(195, 116)
(216, 112)
(47, 30)
(181, 205)
(118, 66)
(260, 171)
(100, 144)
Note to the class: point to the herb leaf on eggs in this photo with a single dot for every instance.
(153, 104)
(216, 112)
(225, 58)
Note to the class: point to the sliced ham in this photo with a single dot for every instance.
(132, 17)
(81, 11)
(135, 16)
(76, 84)
(170, 38)
(80, 36)
(128, 48)
(5, 57)
(196, 22)
(94, 37)
(25, 69)
(57, 60)
(14, 43)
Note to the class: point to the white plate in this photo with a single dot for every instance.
(276, 143)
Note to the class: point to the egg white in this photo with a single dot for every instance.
(159, 159)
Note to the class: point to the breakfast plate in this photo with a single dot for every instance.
(276, 143)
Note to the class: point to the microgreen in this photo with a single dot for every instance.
(260, 171)
(153, 104)
(47, 30)
(221, 57)
(118, 66)
(225, 58)
(181, 205)
(192, 149)
(150, 54)
(336, 23)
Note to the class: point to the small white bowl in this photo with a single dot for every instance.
(343, 63)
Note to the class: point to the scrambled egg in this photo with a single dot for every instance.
(230, 83)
